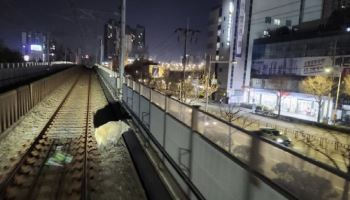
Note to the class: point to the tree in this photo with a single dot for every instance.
(188, 91)
(330, 153)
(347, 85)
(7, 55)
(279, 84)
(229, 112)
(317, 86)
(209, 87)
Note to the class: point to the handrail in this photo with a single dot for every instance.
(288, 150)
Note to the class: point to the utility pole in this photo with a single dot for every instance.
(122, 47)
(65, 55)
(341, 70)
(334, 49)
(48, 49)
(186, 32)
(101, 51)
(302, 10)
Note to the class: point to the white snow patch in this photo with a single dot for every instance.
(110, 132)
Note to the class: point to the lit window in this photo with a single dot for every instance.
(266, 33)
(231, 7)
(218, 45)
(348, 29)
(217, 57)
(277, 22)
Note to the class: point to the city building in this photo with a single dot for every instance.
(111, 39)
(236, 31)
(292, 54)
(134, 41)
(269, 15)
(34, 46)
(227, 33)
(138, 39)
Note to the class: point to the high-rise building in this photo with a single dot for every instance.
(111, 39)
(34, 46)
(286, 48)
(269, 15)
(138, 37)
(227, 36)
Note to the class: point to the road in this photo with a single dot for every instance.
(326, 148)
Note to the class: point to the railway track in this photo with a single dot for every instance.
(58, 163)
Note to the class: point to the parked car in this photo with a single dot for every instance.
(275, 135)
(263, 110)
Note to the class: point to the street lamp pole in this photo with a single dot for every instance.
(122, 47)
(337, 96)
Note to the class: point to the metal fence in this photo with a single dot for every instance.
(15, 73)
(296, 134)
(224, 161)
(22, 65)
(16, 103)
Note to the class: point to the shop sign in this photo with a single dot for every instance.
(304, 66)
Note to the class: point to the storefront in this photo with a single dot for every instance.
(297, 105)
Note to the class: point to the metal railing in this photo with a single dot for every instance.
(17, 102)
(225, 161)
(21, 65)
(18, 73)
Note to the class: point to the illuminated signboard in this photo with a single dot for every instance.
(156, 71)
(36, 47)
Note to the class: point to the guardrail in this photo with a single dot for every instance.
(224, 161)
(21, 65)
(17, 73)
(16, 103)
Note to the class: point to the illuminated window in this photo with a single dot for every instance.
(231, 7)
(266, 33)
(277, 22)
(218, 45)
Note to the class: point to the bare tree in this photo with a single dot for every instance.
(319, 146)
(188, 92)
(157, 84)
(230, 113)
(208, 86)
(318, 86)
(280, 85)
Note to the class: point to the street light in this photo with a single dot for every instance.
(328, 70)
(338, 91)
(341, 69)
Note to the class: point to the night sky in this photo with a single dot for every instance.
(78, 23)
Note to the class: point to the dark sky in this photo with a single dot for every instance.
(79, 22)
